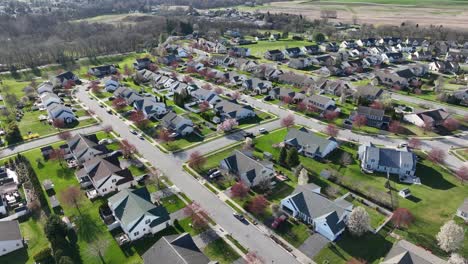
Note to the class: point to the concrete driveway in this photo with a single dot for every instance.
(313, 245)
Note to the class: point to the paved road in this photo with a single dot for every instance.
(45, 141)
(415, 100)
(247, 235)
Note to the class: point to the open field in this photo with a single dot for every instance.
(118, 18)
(449, 13)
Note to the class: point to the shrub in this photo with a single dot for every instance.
(42, 255)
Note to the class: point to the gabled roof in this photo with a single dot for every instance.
(57, 110)
(231, 108)
(403, 252)
(435, 115)
(149, 105)
(80, 144)
(171, 120)
(131, 205)
(175, 249)
(9, 230)
(392, 158)
(68, 75)
(99, 169)
(307, 140)
(239, 163)
(369, 90)
(319, 99)
(369, 111)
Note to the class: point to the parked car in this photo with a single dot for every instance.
(215, 174)
(239, 216)
(133, 131)
(263, 130)
(140, 136)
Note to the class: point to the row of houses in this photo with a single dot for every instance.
(54, 105)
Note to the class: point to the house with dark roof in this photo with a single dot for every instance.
(136, 214)
(461, 96)
(10, 237)
(105, 175)
(64, 77)
(404, 252)
(247, 169)
(239, 52)
(61, 112)
(296, 79)
(151, 108)
(374, 117)
(390, 78)
(282, 92)
(293, 52)
(205, 95)
(142, 63)
(334, 87)
(368, 92)
(392, 57)
(299, 63)
(175, 249)
(320, 102)
(312, 49)
(179, 125)
(274, 55)
(431, 118)
(86, 147)
(111, 85)
(388, 160)
(257, 85)
(309, 144)
(228, 109)
(45, 87)
(102, 70)
(447, 67)
(327, 217)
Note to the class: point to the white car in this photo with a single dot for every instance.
(215, 174)
(263, 130)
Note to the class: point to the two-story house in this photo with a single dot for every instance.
(374, 117)
(181, 126)
(309, 144)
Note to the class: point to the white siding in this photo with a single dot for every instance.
(9, 246)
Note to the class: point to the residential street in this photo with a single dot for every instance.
(247, 235)
(415, 100)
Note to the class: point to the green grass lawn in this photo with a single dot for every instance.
(172, 203)
(220, 251)
(463, 153)
(294, 233)
(185, 225)
(261, 47)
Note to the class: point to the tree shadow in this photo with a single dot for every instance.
(18, 256)
(87, 228)
(413, 199)
(64, 173)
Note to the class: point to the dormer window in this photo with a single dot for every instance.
(147, 221)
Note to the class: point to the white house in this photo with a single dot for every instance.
(49, 98)
(432, 118)
(105, 175)
(327, 217)
(462, 211)
(247, 169)
(86, 147)
(135, 213)
(320, 102)
(309, 144)
(10, 237)
(150, 107)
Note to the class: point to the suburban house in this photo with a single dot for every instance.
(404, 252)
(281, 93)
(239, 52)
(257, 85)
(312, 49)
(374, 117)
(179, 125)
(247, 169)
(392, 57)
(320, 102)
(151, 108)
(49, 99)
(228, 109)
(10, 237)
(309, 144)
(61, 112)
(205, 95)
(323, 60)
(334, 87)
(175, 249)
(64, 77)
(296, 79)
(389, 78)
(461, 96)
(299, 63)
(368, 92)
(130, 95)
(394, 161)
(293, 52)
(142, 63)
(462, 211)
(136, 215)
(327, 217)
(447, 67)
(103, 70)
(105, 174)
(274, 55)
(111, 85)
(45, 87)
(431, 118)
(86, 147)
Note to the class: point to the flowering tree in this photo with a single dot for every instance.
(218, 90)
(359, 121)
(239, 190)
(457, 259)
(127, 148)
(288, 121)
(303, 178)
(451, 236)
(331, 130)
(164, 135)
(330, 115)
(402, 217)
(196, 160)
(69, 84)
(198, 215)
(301, 106)
(286, 100)
(414, 143)
(188, 79)
(227, 125)
(64, 135)
(119, 103)
(58, 123)
(108, 129)
(312, 108)
(207, 86)
(253, 258)
(358, 221)
(436, 155)
(462, 174)
(139, 118)
(451, 124)
(235, 95)
(258, 205)
(395, 127)
(377, 105)
(153, 67)
(204, 106)
(58, 155)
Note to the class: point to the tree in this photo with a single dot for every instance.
(58, 155)
(345, 159)
(139, 118)
(319, 37)
(239, 190)
(72, 196)
(204, 106)
(253, 258)
(119, 103)
(292, 159)
(358, 221)
(282, 156)
(359, 121)
(108, 129)
(451, 236)
(451, 124)
(330, 115)
(436, 155)
(64, 135)
(218, 90)
(258, 205)
(288, 121)
(227, 125)
(457, 259)
(303, 178)
(427, 127)
(98, 248)
(207, 86)
(248, 143)
(414, 143)
(196, 160)
(331, 130)
(197, 214)
(13, 134)
(55, 229)
(356, 261)
(402, 217)
(154, 177)
(395, 127)
(301, 106)
(164, 135)
(127, 148)
(187, 79)
(462, 174)
(58, 123)
(235, 95)
(287, 100)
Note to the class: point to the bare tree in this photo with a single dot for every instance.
(98, 248)
(72, 196)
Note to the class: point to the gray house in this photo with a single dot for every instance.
(309, 144)
(404, 252)
(374, 117)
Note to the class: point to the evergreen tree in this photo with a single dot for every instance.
(282, 156)
(292, 158)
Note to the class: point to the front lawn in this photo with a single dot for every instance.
(220, 251)
(294, 233)
(172, 203)
(185, 225)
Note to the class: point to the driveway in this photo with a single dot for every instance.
(313, 245)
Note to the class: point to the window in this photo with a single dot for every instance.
(136, 233)
(144, 229)
(147, 221)
(104, 190)
(114, 180)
